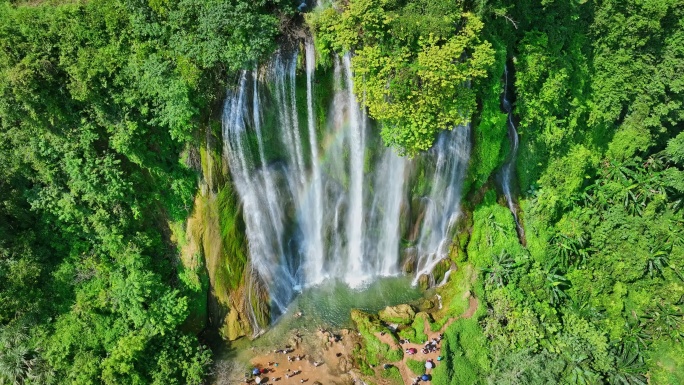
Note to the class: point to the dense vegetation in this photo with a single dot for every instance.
(595, 292)
(102, 106)
(404, 55)
(99, 102)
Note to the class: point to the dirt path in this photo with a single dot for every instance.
(336, 357)
(406, 373)
(335, 360)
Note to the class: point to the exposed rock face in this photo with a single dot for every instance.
(410, 260)
(234, 328)
(424, 281)
(214, 250)
(426, 304)
(401, 314)
(344, 365)
(440, 270)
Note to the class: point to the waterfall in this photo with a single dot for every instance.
(314, 219)
(322, 198)
(508, 169)
(256, 187)
(356, 271)
(443, 209)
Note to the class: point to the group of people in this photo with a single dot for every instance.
(288, 349)
(432, 345)
(298, 357)
(257, 374)
(332, 337)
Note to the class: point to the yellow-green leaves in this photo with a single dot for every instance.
(417, 94)
(413, 63)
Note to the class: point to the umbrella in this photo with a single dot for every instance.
(413, 350)
(429, 364)
(257, 380)
(425, 377)
(256, 371)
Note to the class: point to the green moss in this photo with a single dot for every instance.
(667, 363)
(417, 367)
(489, 131)
(376, 351)
(454, 295)
(196, 287)
(441, 269)
(465, 352)
(361, 363)
(393, 375)
(493, 233)
(419, 327)
(232, 236)
(408, 333)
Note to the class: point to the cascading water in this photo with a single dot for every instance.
(508, 169)
(443, 209)
(325, 200)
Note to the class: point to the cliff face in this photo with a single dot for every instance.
(214, 251)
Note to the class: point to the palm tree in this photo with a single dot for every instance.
(567, 251)
(664, 320)
(578, 370)
(635, 338)
(501, 269)
(15, 357)
(556, 284)
(629, 367)
(19, 363)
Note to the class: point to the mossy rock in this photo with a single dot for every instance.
(392, 375)
(426, 304)
(408, 333)
(419, 327)
(410, 260)
(234, 328)
(424, 281)
(401, 314)
(440, 270)
(374, 351)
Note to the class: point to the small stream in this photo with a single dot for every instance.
(508, 175)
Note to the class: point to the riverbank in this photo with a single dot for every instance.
(327, 357)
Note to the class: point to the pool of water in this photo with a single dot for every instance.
(329, 305)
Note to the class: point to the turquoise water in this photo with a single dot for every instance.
(331, 302)
(329, 305)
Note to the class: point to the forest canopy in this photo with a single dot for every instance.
(413, 63)
(104, 103)
(99, 103)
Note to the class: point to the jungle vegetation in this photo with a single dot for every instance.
(101, 107)
(101, 103)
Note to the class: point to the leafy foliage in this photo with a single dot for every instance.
(595, 294)
(412, 65)
(98, 100)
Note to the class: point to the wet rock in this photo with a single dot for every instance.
(401, 314)
(410, 260)
(424, 281)
(426, 304)
(440, 270)
(234, 328)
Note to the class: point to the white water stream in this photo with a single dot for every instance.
(508, 169)
(324, 200)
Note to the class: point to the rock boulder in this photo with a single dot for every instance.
(401, 314)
